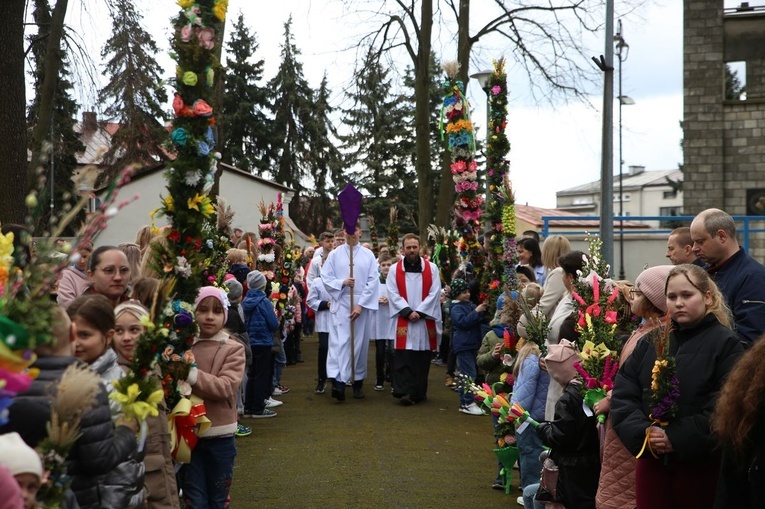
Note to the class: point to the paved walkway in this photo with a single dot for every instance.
(369, 453)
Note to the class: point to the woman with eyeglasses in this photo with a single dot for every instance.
(109, 273)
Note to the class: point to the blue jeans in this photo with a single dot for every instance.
(280, 360)
(467, 366)
(528, 497)
(530, 447)
(206, 480)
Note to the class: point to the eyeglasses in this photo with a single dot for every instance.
(112, 271)
(634, 292)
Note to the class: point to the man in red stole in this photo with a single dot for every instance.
(414, 296)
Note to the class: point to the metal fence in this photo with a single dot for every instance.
(745, 230)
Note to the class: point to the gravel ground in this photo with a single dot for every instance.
(368, 453)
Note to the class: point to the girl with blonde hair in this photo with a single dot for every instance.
(553, 248)
(681, 465)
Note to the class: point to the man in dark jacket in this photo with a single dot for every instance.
(740, 277)
(261, 322)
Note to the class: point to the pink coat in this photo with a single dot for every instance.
(616, 488)
(72, 284)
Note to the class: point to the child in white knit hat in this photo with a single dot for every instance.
(24, 464)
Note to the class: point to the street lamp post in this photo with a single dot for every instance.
(622, 52)
(482, 77)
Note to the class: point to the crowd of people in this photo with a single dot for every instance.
(707, 455)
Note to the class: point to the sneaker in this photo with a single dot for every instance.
(519, 501)
(242, 430)
(273, 403)
(320, 387)
(497, 484)
(471, 409)
(280, 390)
(439, 362)
(379, 387)
(262, 415)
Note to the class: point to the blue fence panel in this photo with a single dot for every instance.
(746, 230)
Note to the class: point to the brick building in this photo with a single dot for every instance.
(724, 139)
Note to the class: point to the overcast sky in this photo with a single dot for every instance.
(553, 147)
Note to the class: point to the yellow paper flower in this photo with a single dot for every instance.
(183, 4)
(219, 10)
(134, 408)
(201, 204)
(168, 203)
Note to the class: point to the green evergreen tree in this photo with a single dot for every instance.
(248, 129)
(65, 142)
(292, 105)
(380, 144)
(734, 89)
(134, 95)
(316, 209)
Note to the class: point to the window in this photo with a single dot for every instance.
(583, 201)
(668, 195)
(670, 211)
(627, 197)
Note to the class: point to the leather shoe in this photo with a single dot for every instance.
(357, 392)
(338, 391)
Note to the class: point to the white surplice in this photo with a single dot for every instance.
(417, 333)
(365, 294)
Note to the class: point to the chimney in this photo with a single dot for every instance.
(636, 170)
(89, 123)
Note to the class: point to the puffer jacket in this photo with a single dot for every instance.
(573, 439)
(95, 462)
(466, 326)
(104, 463)
(260, 318)
(616, 488)
(486, 361)
(530, 388)
(109, 370)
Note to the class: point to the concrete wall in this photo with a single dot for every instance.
(243, 195)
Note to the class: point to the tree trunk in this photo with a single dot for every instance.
(52, 67)
(13, 133)
(446, 191)
(445, 204)
(422, 120)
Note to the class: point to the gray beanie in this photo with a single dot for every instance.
(234, 289)
(256, 280)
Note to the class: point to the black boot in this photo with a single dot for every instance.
(338, 390)
(357, 392)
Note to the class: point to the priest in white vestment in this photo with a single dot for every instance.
(336, 276)
(414, 298)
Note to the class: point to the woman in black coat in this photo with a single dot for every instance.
(684, 474)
